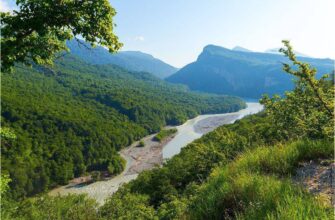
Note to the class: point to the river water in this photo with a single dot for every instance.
(202, 124)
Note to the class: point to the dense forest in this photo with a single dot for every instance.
(238, 171)
(75, 116)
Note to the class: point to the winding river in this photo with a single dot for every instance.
(151, 153)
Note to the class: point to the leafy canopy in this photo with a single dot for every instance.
(38, 31)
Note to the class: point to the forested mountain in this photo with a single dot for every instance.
(76, 116)
(130, 60)
(245, 74)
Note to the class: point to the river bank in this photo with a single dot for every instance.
(153, 153)
(202, 124)
(137, 159)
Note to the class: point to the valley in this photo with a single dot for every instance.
(167, 110)
(74, 121)
(75, 117)
(153, 153)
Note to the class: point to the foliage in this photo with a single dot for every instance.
(75, 117)
(68, 207)
(116, 166)
(96, 176)
(38, 31)
(141, 144)
(7, 133)
(127, 206)
(163, 134)
(174, 209)
(308, 109)
(7, 205)
(4, 180)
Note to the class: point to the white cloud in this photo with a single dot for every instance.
(5, 7)
(139, 38)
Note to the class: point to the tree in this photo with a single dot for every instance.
(124, 205)
(96, 176)
(308, 109)
(7, 133)
(38, 31)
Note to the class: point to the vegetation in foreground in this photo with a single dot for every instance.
(237, 171)
(38, 30)
(257, 185)
(164, 133)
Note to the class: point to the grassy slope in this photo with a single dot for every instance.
(257, 185)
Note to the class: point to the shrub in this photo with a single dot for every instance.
(163, 134)
(127, 206)
(140, 144)
(95, 176)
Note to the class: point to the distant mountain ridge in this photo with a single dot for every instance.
(242, 49)
(130, 60)
(276, 51)
(245, 74)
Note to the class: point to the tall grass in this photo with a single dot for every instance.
(255, 186)
(282, 159)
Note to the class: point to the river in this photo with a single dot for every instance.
(139, 159)
(202, 124)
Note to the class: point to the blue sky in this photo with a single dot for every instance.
(177, 30)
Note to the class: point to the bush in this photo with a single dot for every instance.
(116, 165)
(69, 207)
(95, 176)
(163, 134)
(140, 144)
(127, 206)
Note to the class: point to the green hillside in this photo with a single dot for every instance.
(74, 118)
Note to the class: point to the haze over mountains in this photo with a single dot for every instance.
(130, 60)
(241, 72)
